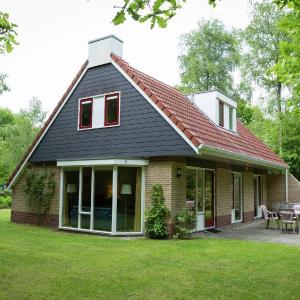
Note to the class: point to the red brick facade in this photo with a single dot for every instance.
(31, 218)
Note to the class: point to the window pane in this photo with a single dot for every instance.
(103, 199)
(86, 114)
(230, 118)
(112, 111)
(191, 185)
(70, 199)
(85, 222)
(209, 198)
(129, 199)
(221, 113)
(200, 190)
(237, 196)
(86, 189)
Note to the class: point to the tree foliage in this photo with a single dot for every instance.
(159, 12)
(209, 56)
(7, 43)
(17, 131)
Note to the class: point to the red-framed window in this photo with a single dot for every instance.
(86, 113)
(112, 109)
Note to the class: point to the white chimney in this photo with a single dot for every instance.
(100, 50)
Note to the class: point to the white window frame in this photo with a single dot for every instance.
(242, 198)
(118, 163)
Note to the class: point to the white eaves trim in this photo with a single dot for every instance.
(209, 150)
(103, 162)
(155, 106)
(47, 128)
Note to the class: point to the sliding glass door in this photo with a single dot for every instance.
(103, 199)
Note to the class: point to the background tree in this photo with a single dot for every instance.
(7, 43)
(262, 37)
(17, 131)
(209, 56)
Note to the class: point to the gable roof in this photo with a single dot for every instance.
(196, 126)
(189, 120)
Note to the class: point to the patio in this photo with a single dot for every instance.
(256, 232)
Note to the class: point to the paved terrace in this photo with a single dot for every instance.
(256, 232)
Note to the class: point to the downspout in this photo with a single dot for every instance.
(286, 186)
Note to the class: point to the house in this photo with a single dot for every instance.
(117, 131)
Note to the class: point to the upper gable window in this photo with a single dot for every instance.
(99, 111)
(111, 109)
(221, 113)
(86, 113)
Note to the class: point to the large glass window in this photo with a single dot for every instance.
(86, 111)
(89, 194)
(103, 199)
(111, 110)
(129, 199)
(71, 198)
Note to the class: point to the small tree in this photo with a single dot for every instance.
(39, 190)
(185, 222)
(156, 216)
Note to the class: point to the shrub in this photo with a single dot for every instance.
(39, 189)
(185, 222)
(5, 201)
(157, 215)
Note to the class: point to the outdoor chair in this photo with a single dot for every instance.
(270, 216)
(289, 217)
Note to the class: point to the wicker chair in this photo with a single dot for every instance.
(289, 217)
(270, 216)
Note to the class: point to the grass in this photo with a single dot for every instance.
(37, 263)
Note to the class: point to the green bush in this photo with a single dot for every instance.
(185, 223)
(157, 215)
(39, 190)
(5, 201)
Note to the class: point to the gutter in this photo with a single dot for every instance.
(222, 153)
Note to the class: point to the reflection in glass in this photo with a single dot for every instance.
(129, 199)
(70, 198)
(103, 199)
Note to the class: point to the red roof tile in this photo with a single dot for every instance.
(194, 123)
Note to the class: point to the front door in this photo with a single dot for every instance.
(200, 190)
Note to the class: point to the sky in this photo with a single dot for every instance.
(53, 40)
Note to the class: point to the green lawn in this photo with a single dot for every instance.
(37, 263)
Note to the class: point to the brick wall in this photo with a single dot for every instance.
(21, 212)
(223, 196)
(276, 189)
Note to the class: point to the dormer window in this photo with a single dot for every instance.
(221, 113)
(86, 113)
(218, 107)
(99, 111)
